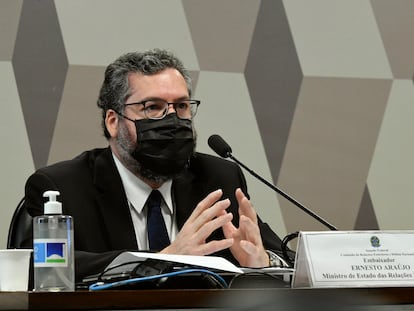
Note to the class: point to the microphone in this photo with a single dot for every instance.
(219, 145)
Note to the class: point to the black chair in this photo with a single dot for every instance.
(20, 227)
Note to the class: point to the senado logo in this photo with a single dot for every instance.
(375, 241)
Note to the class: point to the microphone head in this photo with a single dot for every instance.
(219, 146)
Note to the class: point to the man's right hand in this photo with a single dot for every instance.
(209, 215)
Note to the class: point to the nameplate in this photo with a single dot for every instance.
(354, 259)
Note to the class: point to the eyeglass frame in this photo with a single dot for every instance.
(192, 103)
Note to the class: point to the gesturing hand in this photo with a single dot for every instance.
(247, 247)
(208, 216)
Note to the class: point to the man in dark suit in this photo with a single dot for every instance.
(147, 114)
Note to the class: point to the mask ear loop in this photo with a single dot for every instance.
(285, 241)
(123, 116)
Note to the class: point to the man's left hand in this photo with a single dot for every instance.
(248, 246)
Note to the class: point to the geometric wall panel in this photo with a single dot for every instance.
(9, 21)
(105, 29)
(221, 44)
(230, 114)
(337, 38)
(366, 219)
(79, 116)
(330, 147)
(274, 77)
(391, 174)
(315, 96)
(396, 23)
(40, 65)
(16, 159)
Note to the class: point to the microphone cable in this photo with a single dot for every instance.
(285, 248)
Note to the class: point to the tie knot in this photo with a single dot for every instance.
(154, 199)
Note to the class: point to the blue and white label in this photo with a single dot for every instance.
(50, 252)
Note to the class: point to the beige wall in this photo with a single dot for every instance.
(316, 96)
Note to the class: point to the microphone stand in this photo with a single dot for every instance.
(285, 195)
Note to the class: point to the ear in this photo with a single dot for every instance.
(111, 122)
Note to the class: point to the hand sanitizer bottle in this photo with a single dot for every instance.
(53, 250)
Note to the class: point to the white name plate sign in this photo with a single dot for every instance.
(354, 259)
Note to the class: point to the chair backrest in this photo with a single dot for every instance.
(20, 227)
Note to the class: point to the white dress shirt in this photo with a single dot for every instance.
(137, 193)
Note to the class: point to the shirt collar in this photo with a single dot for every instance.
(137, 191)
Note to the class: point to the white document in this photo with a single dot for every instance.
(355, 259)
(212, 262)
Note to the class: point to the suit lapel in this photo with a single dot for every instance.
(188, 191)
(113, 204)
(190, 188)
(185, 195)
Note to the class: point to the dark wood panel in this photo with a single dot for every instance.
(205, 298)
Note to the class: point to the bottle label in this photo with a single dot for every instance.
(50, 252)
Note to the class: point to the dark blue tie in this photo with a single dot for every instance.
(157, 232)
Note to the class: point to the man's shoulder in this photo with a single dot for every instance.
(215, 172)
(203, 161)
(205, 158)
(86, 159)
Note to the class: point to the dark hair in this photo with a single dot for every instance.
(115, 87)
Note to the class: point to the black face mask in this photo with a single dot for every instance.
(164, 146)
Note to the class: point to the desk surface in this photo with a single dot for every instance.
(203, 298)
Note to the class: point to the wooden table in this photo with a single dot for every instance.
(233, 299)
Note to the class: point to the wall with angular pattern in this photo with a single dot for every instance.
(315, 95)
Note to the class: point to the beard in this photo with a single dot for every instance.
(126, 145)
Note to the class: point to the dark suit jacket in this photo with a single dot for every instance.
(91, 192)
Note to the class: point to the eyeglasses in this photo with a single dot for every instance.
(157, 108)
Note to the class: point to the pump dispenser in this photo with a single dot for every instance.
(53, 255)
(52, 206)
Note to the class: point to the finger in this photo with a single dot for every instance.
(229, 230)
(256, 255)
(189, 233)
(250, 230)
(245, 207)
(208, 227)
(215, 211)
(215, 246)
(248, 247)
(206, 203)
(198, 249)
